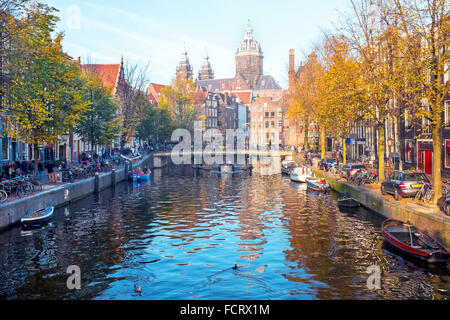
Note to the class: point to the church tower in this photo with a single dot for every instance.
(184, 69)
(249, 61)
(206, 72)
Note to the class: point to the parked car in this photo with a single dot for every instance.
(403, 183)
(350, 170)
(326, 163)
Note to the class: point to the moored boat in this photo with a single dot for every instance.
(38, 216)
(299, 174)
(347, 201)
(317, 184)
(287, 166)
(139, 176)
(413, 242)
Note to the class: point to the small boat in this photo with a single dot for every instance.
(139, 176)
(287, 166)
(38, 216)
(413, 242)
(347, 201)
(226, 168)
(317, 184)
(299, 174)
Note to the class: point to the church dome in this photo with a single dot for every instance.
(249, 46)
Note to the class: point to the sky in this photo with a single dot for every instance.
(156, 32)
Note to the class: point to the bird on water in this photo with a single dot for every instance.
(137, 289)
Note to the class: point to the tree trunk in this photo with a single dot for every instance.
(381, 149)
(305, 138)
(344, 151)
(437, 160)
(322, 143)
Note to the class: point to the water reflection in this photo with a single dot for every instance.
(179, 235)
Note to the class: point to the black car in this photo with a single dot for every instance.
(403, 183)
(351, 170)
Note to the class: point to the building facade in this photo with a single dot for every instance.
(266, 122)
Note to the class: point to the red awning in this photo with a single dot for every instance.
(447, 146)
(49, 147)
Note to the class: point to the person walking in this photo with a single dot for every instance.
(40, 169)
(8, 170)
(24, 167)
(13, 170)
(51, 174)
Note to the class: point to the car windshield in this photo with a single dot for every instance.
(415, 177)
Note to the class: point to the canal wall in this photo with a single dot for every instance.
(433, 221)
(12, 212)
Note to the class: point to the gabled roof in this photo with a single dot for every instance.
(108, 73)
(245, 96)
(157, 87)
(154, 91)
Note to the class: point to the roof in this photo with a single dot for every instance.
(216, 84)
(157, 87)
(267, 82)
(108, 73)
(152, 89)
(245, 96)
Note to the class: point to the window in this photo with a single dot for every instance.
(266, 114)
(447, 153)
(447, 113)
(426, 125)
(408, 122)
(5, 147)
(447, 71)
(272, 124)
(272, 114)
(409, 149)
(267, 124)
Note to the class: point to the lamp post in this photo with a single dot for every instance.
(390, 145)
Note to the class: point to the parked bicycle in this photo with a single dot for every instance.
(425, 193)
(446, 199)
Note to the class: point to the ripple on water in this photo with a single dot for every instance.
(179, 238)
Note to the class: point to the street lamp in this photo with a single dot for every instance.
(390, 145)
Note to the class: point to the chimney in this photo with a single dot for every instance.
(291, 70)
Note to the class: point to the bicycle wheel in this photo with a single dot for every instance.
(428, 198)
(3, 196)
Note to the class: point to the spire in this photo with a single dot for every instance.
(206, 71)
(184, 69)
(249, 31)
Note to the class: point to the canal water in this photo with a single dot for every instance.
(180, 235)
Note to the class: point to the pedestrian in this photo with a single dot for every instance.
(51, 174)
(8, 170)
(13, 170)
(40, 169)
(24, 167)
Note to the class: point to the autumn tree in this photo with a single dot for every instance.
(304, 96)
(133, 97)
(156, 124)
(425, 30)
(99, 125)
(44, 97)
(373, 34)
(179, 100)
(341, 98)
